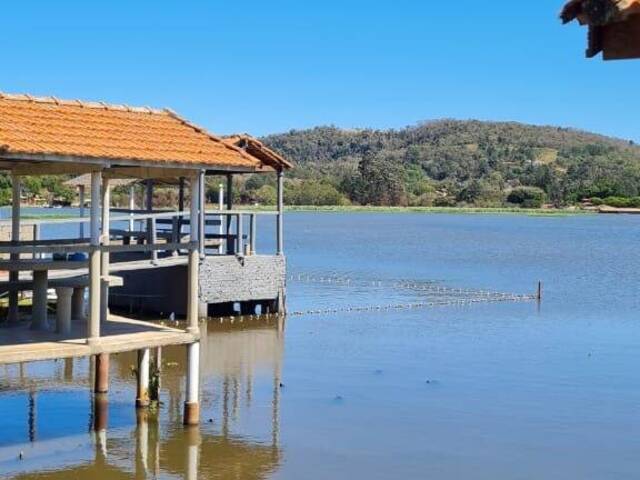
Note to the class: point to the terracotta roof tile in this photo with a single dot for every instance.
(259, 150)
(30, 125)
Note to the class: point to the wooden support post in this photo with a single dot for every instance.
(191, 404)
(539, 293)
(280, 229)
(194, 258)
(106, 240)
(252, 233)
(94, 259)
(151, 223)
(13, 313)
(39, 306)
(142, 397)
(63, 310)
(201, 216)
(229, 207)
(81, 202)
(220, 207)
(102, 373)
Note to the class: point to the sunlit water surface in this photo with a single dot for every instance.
(485, 391)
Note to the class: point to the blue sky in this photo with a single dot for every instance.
(270, 66)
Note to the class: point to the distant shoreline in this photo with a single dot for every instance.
(435, 210)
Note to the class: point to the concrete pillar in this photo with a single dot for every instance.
(142, 397)
(63, 310)
(280, 229)
(39, 307)
(77, 304)
(191, 404)
(13, 313)
(94, 259)
(102, 373)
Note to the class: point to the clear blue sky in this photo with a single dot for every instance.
(270, 66)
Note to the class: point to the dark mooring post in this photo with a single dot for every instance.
(280, 229)
(102, 373)
(539, 293)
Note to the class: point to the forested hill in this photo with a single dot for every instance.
(451, 162)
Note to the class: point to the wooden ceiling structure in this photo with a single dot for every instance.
(614, 26)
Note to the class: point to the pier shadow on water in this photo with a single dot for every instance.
(58, 429)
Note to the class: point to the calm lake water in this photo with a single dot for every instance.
(485, 390)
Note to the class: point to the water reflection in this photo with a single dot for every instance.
(241, 365)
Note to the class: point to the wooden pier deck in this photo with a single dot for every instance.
(118, 334)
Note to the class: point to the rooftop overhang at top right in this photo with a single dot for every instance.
(614, 26)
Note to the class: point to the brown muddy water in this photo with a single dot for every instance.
(483, 390)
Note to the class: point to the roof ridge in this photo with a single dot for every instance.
(204, 131)
(81, 103)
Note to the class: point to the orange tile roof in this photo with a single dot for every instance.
(600, 12)
(259, 150)
(48, 126)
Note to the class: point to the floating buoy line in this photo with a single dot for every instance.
(441, 295)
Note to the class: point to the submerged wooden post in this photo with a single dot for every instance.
(102, 373)
(142, 397)
(94, 259)
(280, 229)
(106, 240)
(13, 313)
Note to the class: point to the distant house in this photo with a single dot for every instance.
(614, 26)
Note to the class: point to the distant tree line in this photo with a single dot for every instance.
(449, 163)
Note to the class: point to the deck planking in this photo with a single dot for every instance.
(118, 334)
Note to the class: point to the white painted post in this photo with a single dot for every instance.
(142, 398)
(253, 228)
(280, 232)
(229, 207)
(94, 259)
(15, 237)
(132, 205)
(81, 205)
(105, 257)
(191, 404)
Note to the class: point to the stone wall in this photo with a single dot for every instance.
(232, 279)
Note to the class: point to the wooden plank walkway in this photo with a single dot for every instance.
(118, 334)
